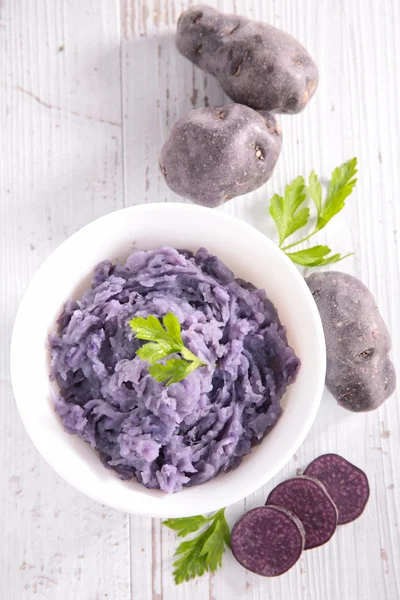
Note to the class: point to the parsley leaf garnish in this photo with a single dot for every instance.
(315, 256)
(164, 339)
(340, 187)
(290, 214)
(286, 212)
(204, 552)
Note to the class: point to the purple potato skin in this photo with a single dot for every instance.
(268, 540)
(347, 485)
(359, 373)
(214, 154)
(255, 63)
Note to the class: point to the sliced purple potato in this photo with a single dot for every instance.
(308, 499)
(268, 540)
(346, 484)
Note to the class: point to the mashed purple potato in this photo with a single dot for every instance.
(188, 432)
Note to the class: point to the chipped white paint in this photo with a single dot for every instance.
(89, 91)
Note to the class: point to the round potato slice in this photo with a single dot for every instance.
(346, 484)
(308, 499)
(268, 540)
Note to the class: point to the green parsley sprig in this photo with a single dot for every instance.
(204, 552)
(164, 339)
(290, 214)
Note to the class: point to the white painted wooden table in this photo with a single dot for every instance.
(89, 91)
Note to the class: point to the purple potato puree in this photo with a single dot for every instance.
(167, 437)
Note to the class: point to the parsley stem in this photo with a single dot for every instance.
(300, 241)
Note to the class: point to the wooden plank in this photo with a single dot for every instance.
(61, 167)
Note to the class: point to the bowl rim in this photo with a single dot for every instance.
(237, 494)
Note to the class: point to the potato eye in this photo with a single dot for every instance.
(197, 17)
(367, 353)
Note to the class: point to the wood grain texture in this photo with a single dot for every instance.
(61, 166)
(88, 94)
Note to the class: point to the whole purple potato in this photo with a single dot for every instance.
(359, 372)
(255, 63)
(214, 154)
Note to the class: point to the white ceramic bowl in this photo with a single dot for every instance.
(67, 273)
